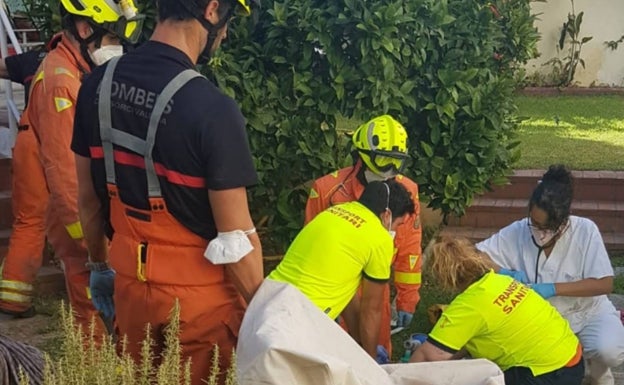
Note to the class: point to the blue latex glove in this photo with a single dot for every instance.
(382, 355)
(102, 288)
(518, 275)
(546, 290)
(405, 318)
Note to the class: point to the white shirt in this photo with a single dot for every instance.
(578, 254)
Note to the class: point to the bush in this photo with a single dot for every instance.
(447, 69)
(86, 360)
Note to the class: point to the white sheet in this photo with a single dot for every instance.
(285, 339)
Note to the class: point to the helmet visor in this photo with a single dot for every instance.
(128, 30)
(388, 161)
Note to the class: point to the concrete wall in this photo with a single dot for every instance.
(603, 19)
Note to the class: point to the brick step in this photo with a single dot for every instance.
(50, 280)
(614, 242)
(5, 174)
(588, 185)
(6, 212)
(4, 237)
(497, 213)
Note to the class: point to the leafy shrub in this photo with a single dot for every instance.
(447, 69)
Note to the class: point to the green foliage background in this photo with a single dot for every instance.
(445, 68)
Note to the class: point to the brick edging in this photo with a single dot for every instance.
(572, 91)
(590, 174)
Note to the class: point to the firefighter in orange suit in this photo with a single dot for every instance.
(381, 151)
(163, 166)
(90, 37)
(29, 201)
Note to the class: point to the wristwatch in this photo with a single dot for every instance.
(97, 266)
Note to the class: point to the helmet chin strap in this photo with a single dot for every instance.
(96, 36)
(204, 55)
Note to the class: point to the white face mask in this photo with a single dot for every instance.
(542, 237)
(373, 177)
(229, 247)
(105, 53)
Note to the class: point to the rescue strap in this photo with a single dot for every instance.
(110, 135)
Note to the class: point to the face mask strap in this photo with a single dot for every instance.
(388, 203)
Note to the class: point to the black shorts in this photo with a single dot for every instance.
(572, 375)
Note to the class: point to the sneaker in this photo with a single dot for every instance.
(28, 313)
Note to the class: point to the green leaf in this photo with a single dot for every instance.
(427, 149)
(471, 159)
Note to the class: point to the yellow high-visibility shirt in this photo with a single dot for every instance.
(508, 323)
(332, 253)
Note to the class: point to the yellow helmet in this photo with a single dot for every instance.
(118, 17)
(245, 6)
(382, 145)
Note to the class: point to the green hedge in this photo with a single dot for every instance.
(445, 68)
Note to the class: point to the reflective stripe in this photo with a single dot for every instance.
(141, 250)
(75, 230)
(16, 285)
(14, 297)
(409, 278)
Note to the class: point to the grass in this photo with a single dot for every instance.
(583, 132)
(618, 281)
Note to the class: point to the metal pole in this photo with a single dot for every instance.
(5, 27)
(9, 28)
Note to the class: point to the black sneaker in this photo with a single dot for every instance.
(28, 313)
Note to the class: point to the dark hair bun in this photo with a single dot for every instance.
(558, 173)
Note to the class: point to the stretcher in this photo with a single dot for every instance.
(285, 339)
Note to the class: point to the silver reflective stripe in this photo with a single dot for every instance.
(16, 285)
(153, 186)
(106, 123)
(14, 297)
(128, 141)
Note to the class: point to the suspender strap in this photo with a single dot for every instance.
(153, 186)
(110, 135)
(106, 124)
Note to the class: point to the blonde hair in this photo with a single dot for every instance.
(455, 263)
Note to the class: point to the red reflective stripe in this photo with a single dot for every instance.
(96, 152)
(138, 161)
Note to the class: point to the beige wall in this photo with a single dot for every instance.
(603, 19)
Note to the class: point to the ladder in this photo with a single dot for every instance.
(6, 30)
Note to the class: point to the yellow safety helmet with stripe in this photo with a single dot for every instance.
(120, 18)
(382, 144)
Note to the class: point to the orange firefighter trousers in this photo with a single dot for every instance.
(29, 204)
(159, 261)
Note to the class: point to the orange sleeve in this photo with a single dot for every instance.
(408, 260)
(52, 114)
(315, 204)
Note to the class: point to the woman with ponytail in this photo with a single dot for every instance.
(563, 258)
